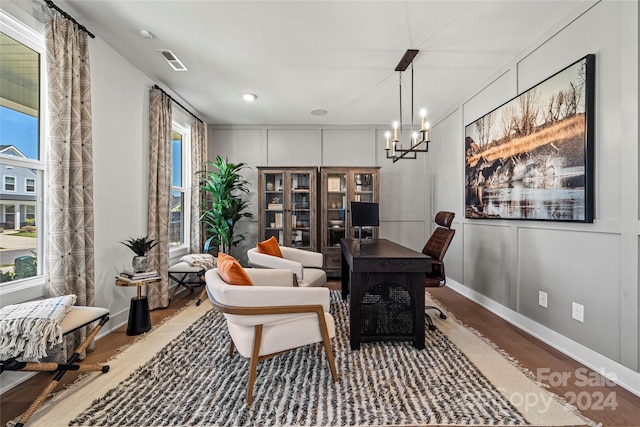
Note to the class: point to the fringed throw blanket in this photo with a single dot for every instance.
(28, 329)
(205, 261)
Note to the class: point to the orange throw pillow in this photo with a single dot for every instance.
(231, 271)
(270, 247)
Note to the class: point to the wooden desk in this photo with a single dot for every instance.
(139, 316)
(383, 264)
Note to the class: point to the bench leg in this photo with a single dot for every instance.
(60, 372)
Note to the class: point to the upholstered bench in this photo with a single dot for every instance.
(76, 318)
(183, 272)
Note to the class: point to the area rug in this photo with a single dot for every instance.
(189, 379)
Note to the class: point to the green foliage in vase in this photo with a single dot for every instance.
(223, 203)
(140, 246)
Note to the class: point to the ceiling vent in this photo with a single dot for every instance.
(173, 60)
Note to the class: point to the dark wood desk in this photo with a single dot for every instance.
(382, 264)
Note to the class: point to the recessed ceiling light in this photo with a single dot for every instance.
(146, 34)
(249, 97)
(318, 112)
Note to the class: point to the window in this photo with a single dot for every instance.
(21, 158)
(30, 212)
(10, 183)
(30, 185)
(179, 221)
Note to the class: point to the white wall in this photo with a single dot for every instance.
(596, 264)
(120, 102)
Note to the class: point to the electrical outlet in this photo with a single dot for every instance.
(542, 299)
(577, 312)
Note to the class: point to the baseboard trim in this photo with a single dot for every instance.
(611, 369)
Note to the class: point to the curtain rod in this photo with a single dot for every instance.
(69, 17)
(180, 105)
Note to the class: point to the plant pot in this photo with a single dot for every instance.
(140, 263)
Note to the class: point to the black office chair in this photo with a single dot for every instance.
(436, 248)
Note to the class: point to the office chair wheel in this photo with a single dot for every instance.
(443, 317)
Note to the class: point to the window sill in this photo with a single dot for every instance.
(177, 252)
(22, 290)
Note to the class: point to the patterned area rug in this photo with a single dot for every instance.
(193, 381)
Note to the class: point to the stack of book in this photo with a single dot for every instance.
(133, 276)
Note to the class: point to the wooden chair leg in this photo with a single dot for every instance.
(255, 355)
(232, 347)
(202, 295)
(327, 344)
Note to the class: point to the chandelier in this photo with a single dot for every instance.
(395, 148)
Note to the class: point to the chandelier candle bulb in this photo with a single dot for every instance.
(415, 139)
(388, 136)
(423, 114)
(395, 131)
(426, 131)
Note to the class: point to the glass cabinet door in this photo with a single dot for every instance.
(301, 218)
(363, 185)
(288, 206)
(336, 208)
(274, 202)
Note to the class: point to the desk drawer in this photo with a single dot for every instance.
(332, 261)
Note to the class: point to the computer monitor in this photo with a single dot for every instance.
(364, 214)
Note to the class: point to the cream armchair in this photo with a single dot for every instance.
(306, 265)
(272, 316)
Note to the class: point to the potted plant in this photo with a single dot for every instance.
(223, 204)
(141, 247)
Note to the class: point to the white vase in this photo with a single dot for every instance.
(140, 263)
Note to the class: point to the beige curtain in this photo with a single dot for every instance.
(69, 251)
(198, 163)
(159, 193)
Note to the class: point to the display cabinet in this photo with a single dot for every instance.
(339, 187)
(287, 206)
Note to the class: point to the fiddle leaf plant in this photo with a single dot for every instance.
(223, 203)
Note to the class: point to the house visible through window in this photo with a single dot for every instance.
(21, 162)
(179, 208)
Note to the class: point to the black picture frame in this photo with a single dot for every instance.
(532, 158)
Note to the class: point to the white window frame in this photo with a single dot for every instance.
(26, 185)
(4, 184)
(181, 124)
(17, 291)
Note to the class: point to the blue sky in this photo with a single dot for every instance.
(20, 130)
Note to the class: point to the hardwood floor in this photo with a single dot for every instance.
(589, 391)
(596, 397)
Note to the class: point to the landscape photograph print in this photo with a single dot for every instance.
(532, 157)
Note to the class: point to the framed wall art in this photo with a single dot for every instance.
(532, 158)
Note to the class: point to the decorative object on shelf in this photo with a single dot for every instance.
(275, 204)
(223, 203)
(141, 247)
(533, 157)
(395, 147)
(333, 183)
